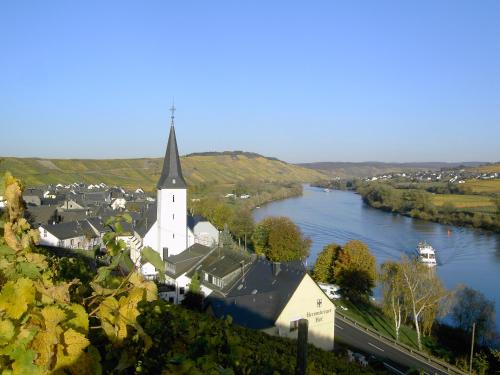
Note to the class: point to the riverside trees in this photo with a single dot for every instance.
(280, 240)
(351, 266)
(412, 289)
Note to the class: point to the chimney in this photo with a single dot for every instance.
(276, 268)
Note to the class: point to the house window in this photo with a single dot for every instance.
(173, 216)
(294, 325)
(45, 232)
(319, 302)
(171, 299)
(173, 235)
(173, 198)
(206, 276)
(181, 290)
(71, 242)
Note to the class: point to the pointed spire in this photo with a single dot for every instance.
(171, 175)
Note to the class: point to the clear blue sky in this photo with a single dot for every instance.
(302, 81)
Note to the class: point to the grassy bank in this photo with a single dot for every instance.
(372, 316)
(479, 211)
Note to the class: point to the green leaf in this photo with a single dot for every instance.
(16, 296)
(118, 228)
(6, 331)
(127, 218)
(23, 362)
(5, 250)
(151, 256)
(29, 270)
(102, 274)
(126, 262)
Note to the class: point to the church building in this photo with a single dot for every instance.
(166, 226)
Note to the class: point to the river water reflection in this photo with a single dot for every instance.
(465, 255)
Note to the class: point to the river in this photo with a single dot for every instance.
(465, 255)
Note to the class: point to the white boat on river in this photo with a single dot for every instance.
(426, 254)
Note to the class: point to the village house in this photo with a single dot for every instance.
(70, 235)
(273, 297)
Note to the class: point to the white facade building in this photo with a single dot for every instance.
(166, 229)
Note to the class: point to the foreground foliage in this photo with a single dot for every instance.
(186, 342)
(41, 329)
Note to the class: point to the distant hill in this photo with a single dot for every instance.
(213, 168)
(373, 168)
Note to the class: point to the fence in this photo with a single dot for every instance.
(424, 357)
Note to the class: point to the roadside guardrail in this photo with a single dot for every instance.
(417, 354)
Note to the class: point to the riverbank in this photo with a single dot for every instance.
(478, 211)
(465, 255)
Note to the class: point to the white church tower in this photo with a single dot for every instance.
(171, 201)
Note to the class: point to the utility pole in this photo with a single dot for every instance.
(472, 347)
(301, 367)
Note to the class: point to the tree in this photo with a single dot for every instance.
(194, 298)
(242, 224)
(471, 306)
(423, 293)
(323, 268)
(280, 240)
(221, 215)
(393, 293)
(355, 270)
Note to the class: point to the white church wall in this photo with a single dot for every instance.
(172, 221)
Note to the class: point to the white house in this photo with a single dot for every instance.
(118, 203)
(273, 297)
(70, 204)
(71, 235)
(201, 231)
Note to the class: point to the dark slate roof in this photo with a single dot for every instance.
(73, 215)
(98, 224)
(256, 300)
(171, 175)
(222, 262)
(60, 198)
(71, 229)
(147, 219)
(193, 220)
(32, 191)
(185, 261)
(40, 215)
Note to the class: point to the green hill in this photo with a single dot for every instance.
(210, 168)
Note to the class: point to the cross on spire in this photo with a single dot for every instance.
(172, 116)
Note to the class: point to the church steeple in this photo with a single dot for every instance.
(171, 175)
